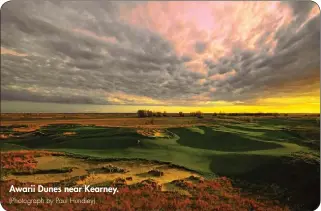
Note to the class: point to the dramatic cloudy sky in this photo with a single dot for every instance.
(118, 56)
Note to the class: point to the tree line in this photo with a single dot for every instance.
(148, 113)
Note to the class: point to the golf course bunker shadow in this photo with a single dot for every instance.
(84, 137)
(101, 138)
(220, 141)
(238, 164)
(289, 174)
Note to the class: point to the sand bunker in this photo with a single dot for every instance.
(69, 133)
(136, 171)
(151, 132)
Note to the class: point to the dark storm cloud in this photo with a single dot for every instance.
(295, 59)
(210, 64)
(23, 95)
(186, 58)
(300, 9)
(200, 47)
(135, 55)
(82, 52)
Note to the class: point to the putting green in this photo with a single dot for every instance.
(193, 148)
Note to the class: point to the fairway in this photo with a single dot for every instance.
(256, 155)
(193, 147)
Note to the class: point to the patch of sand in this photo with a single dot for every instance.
(5, 136)
(137, 170)
(152, 132)
(69, 133)
(29, 128)
(138, 174)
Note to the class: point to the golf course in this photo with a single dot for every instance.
(274, 157)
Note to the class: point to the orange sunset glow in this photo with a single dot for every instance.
(242, 56)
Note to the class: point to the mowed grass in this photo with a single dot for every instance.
(220, 140)
(192, 147)
(267, 151)
(89, 138)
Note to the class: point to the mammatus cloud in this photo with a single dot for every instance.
(158, 53)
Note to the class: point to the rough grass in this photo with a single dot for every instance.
(191, 147)
(82, 171)
(261, 152)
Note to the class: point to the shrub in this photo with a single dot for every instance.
(156, 172)
(199, 114)
(107, 169)
(119, 182)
